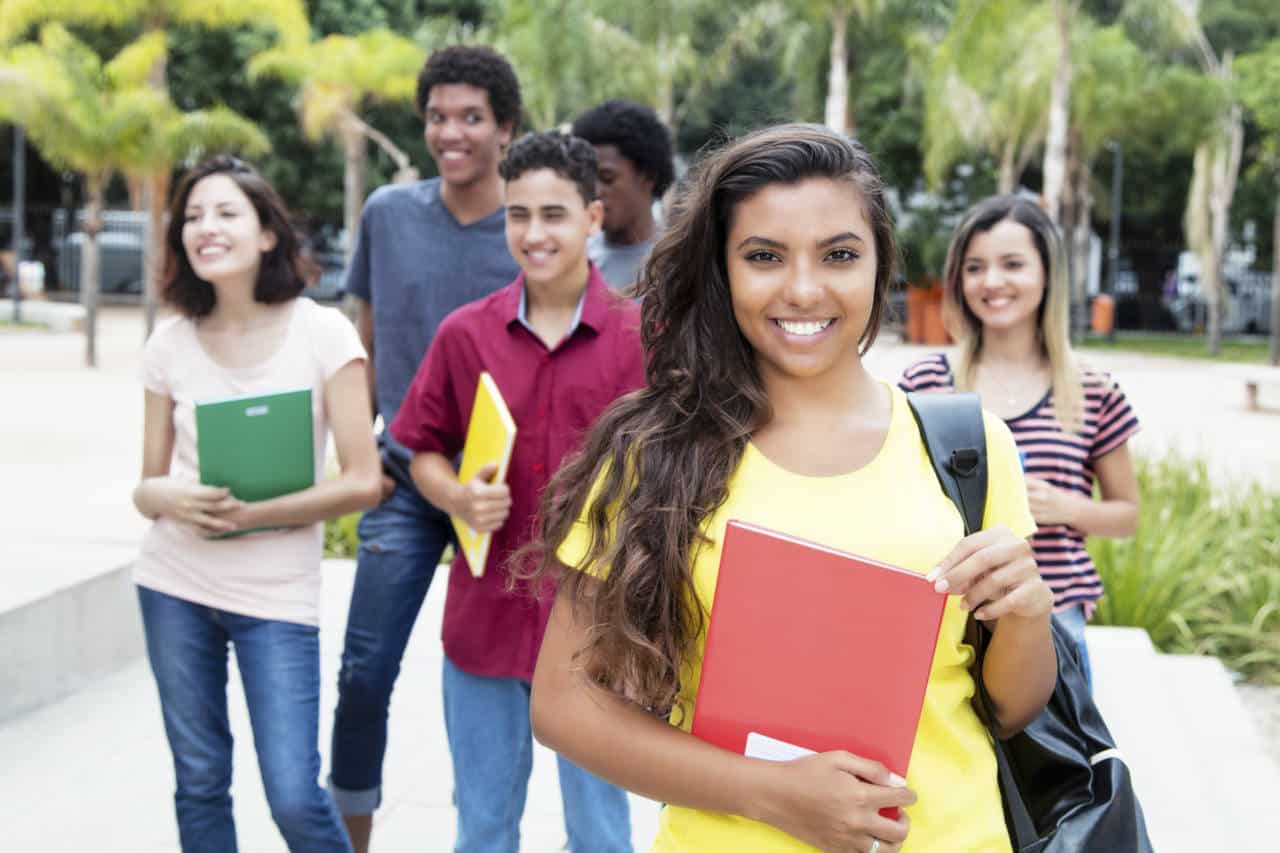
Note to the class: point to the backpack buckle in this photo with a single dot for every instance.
(964, 461)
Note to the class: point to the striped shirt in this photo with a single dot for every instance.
(1063, 459)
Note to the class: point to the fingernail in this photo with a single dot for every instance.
(942, 585)
(933, 574)
(979, 614)
(897, 781)
(963, 605)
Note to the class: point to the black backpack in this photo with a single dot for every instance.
(1064, 786)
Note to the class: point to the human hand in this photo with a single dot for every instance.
(1049, 504)
(201, 509)
(996, 573)
(483, 505)
(832, 801)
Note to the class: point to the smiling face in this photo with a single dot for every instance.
(462, 134)
(548, 223)
(627, 195)
(221, 233)
(1003, 277)
(801, 261)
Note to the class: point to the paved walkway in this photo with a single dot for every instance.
(93, 773)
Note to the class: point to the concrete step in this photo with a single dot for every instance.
(61, 631)
(55, 316)
(1198, 766)
(93, 771)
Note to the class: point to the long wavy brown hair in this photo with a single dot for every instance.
(658, 462)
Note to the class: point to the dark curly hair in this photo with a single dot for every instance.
(657, 464)
(284, 272)
(568, 156)
(638, 134)
(475, 66)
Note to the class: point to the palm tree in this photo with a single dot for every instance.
(1259, 82)
(287, 18)
(838, 14)
(88, 118)
(1217, 159)
(339, 76)
(1055, 148)
(989, 76)
(101, 119)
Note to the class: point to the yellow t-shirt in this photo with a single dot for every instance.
(892, 509)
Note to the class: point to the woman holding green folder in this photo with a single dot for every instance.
(758, 304)
(234, 273)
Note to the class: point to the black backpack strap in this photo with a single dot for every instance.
(956, 440)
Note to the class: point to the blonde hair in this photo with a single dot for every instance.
(1051, 317)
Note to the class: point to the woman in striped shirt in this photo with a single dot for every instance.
(1006, 304)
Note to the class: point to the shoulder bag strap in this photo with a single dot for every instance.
(955, 439)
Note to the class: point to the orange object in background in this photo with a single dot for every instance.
(1103, 315)
(924, 315)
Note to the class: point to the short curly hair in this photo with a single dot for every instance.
(474, 66)
(568, 156)
(284, 272)
(638, 134)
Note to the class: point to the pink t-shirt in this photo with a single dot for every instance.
(269, 575)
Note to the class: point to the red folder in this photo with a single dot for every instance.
(815, 648)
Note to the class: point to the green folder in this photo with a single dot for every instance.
(259, 446)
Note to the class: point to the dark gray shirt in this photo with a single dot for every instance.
(619, 265)
(414, 264)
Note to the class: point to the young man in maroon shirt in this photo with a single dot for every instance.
(561, 346)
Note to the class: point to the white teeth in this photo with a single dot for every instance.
(211, 250)
(804, 328)
(999, 302)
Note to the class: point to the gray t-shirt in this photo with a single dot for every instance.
(620, 265)
(414, 264)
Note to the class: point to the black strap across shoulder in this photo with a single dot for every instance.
(952, 429)
(955, 438)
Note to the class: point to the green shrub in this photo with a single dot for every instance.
(1202, 574)
(342, 542)
(340, 539)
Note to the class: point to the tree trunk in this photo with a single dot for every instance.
(1055, 148)
(1275, 281)
(837, 112)
(153, 260)
(1224, 172)
(156, 190)
(666, 106)
(1008, 170)
(95, 187)
(355, 150)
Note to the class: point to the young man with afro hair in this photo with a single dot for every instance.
(636, 168)
(423, 250)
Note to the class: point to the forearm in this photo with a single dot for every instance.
(621, 743)
(436, 479)
(346, 493)
(1019, 670)
(1116, 517)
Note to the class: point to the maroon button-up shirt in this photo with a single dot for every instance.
(554, 396)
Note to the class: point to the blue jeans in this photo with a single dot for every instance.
(1073, 620)
(400, 544)
(279, 666)
(491, 743)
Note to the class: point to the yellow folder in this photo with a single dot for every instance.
(491, 436)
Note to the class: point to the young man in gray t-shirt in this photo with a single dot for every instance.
(636, 167)
(424, 249)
